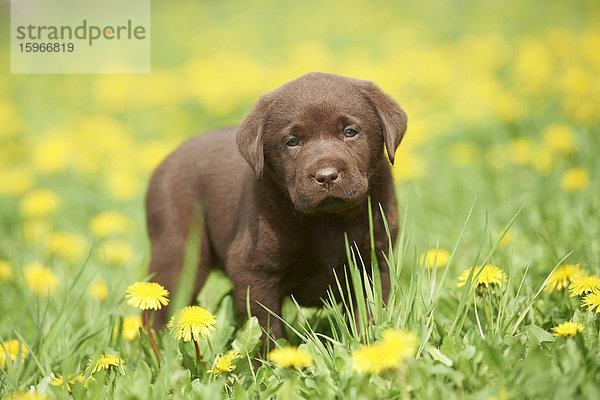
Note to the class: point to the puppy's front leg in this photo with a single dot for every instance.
(264, 293)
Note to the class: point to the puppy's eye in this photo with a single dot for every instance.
(292, 142)
(350, 133)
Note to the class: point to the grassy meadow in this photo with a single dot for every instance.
(498, 168)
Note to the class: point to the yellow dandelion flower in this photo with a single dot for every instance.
(106, 361)
(559, 138)
(152, 153)
(31, 395)
(147, 295)
(39, 203)
(11, 349)
(225, 363)
(521, 151)
(395, 346)
(15, 182)
(34, 230)
(584, 284)
(66, 382)
(374, 359)
(562, 275)
(568, 329)
(592, 301)
(5, 270)
(408, 166)
(51, 152)
(40, 279)
(465, 153)
(575, 179)
(98, 290)
(490, 275)
(291, 356)
(191, 322)
(122, 183)
(439, 257)
(131, 326)
(403, 342)
(68, 246)
(110, 223)
(116, 252)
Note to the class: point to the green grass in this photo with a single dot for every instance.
(477, 82)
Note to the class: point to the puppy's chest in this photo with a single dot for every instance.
(322, 248)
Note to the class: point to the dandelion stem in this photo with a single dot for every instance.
(154, 346)
(197, 350)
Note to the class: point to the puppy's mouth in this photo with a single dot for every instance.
(340, 198)
(333, 205)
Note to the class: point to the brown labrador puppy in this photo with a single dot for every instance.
(279, 193)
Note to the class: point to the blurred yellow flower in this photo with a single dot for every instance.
(69, 246)
(437, 257)
(465, 153)
(109, 362)
(11, 122)
(225, 363)
(131, 325)
(560, 138)
(508, 106)
(390, 353)
(39, 203)
(98, 290)
(11, 349)
(490, 275)
(36, 230)
(521, 151)
(30, 395)
(152, 153)
(505, 241)
(113, 92)
(403, 342)
(5, 270)
(51, 152)
(561, 276)
(584, 284)
(533, 67)
(291, 356)
(110, 223)
(66, 382)
(592, 300)
(575, 179)
(92, 154)
(544, 159)
(115, 252)
(568, 329)
(40, 279)
(15, 181)
(191, 322)
(122, 184)
(147, 295)
(408, 166)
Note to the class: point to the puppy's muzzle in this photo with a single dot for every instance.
(326, 177)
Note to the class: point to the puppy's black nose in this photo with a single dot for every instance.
(326, 176)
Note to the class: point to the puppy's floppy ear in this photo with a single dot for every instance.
(392, 116)
(249, 136)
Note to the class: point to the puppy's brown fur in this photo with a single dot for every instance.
(280, 192)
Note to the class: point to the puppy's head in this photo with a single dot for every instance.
(321, 138)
